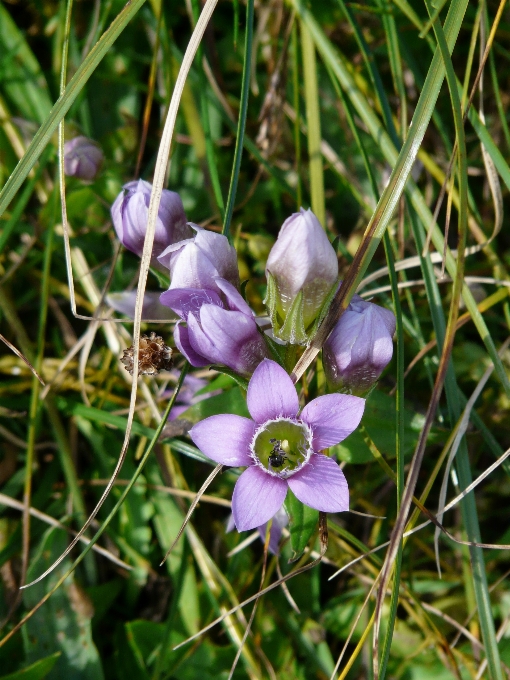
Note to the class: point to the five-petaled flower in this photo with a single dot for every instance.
(280, 448)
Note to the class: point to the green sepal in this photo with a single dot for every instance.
(243, 289)
(302, 524)
(293, 329)
(271, 302)
(323, 310)
(278, 352)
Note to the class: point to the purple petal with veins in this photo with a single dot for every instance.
(186, 301)
(271, 393)
(321, 485)
(225, 438)
(257, 498)
(332, 417)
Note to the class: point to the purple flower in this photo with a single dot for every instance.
(280, 521)
(301, 269)
(82, 158)
(359, 347)
(220, 327)
(130, 213)
(281, 449)
(199, 261)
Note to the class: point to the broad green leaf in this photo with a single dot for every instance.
(36, 671)
(63, 623)
(167, 522)
(302, 524)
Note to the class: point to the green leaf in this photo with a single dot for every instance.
(20, 74)
(63, 624)
(379, 420)
(242, 382)
(302, 524)
(230, 401)
(36, 671)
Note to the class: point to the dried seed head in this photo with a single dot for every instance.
(154, 356)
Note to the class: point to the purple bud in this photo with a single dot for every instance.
(301, 260)
(220, 327)
(130, 213)
(82, 158)
(199, 261)
(359, 347)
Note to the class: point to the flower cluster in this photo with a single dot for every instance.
(283, 446)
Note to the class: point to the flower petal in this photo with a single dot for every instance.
(191, 268)
(271, 393)
(181, 338)
(229, 338)
(186, 301)
(332, 418)
(257, 497)
(219, 251)
(225, 438)
(321, 485)
(235, 300)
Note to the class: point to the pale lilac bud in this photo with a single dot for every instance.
(220, 328)
(199, 261)
(130, 213)
(302, 268)
(359, 347)
(82, 158)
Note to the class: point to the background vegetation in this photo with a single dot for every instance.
(331, 89)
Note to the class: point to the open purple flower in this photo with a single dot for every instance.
(220, 327)
(359, 347)
(197, 262)
(130, 213)
(280, 449)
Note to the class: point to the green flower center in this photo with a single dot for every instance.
(282, 447)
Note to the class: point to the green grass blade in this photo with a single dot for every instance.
(313, 120)
(241, 126)
(63, 104)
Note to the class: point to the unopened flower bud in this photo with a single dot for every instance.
(301, 269)
(82, 158)
(359, 347)
(199, 261)
(130, 213)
